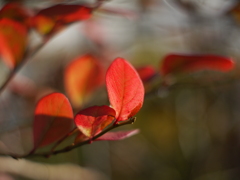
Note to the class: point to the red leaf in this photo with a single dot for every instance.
(176, 63)
(146, 72)
(13, 41)
(53, 119)
(82, 76)
(125, 89)
(94, 119)
(119, 135)
(16, 12)
(52, 19)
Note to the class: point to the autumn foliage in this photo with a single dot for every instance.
(54, 115)
(54, 119)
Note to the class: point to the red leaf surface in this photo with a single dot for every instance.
(94, 119)
(13, 41)
(16, 12)
(176, 63)
(125, 89)
(119, 135)
(146, 72)
(53, 119)
(52, 19)
(82, 76)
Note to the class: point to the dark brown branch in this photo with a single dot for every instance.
(73, 146)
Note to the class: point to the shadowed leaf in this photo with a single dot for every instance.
(53, 119)
(16, 12)
(94, 119)
(125, 89)
(52, 19)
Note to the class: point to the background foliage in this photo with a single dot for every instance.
(189, 130)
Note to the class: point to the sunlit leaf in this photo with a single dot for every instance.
(94, 119)
(119, 135)
(52, 19)
(177, 63)
(82, 76)
(53, 119)
(13, 41)
(16, 12)
(125, 89)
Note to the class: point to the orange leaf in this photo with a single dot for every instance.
(177, 63)
(52, 19)
(82, 76)
(53, 119)
(94, 119)
(13, 41)
(125, 89)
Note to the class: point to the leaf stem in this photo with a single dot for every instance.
(65, 137)
(73, 146)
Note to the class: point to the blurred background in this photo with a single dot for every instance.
(188, 131)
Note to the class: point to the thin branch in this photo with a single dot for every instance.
(19, 66)
(73, 146)
(28, 56)
(64, 138)
(161, 85)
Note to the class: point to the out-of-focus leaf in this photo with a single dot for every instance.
(13, 41)
(16, 12)
(43, 24)
(177, 63)
(53, 119)
(119, 135)
(82, 76)
(94, 119)
(125, 89)
(146, 72)
(52, 19)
